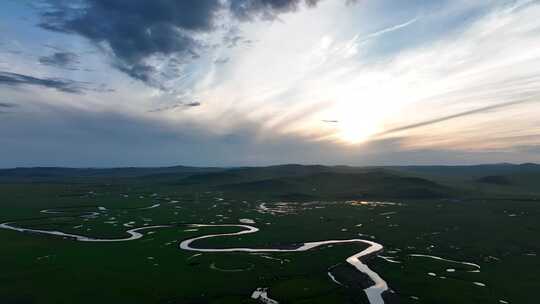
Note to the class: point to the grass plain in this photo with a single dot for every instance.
(453, 216)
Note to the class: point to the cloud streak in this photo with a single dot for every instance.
(59, 84)
(64, 60)
(7, 105)
(389, 29)
(452, 116)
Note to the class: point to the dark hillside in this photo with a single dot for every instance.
(376, 184)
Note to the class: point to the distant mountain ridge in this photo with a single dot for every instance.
(285, 169)
(63, 172)
(158, 172)
(294, 180)
(476, 170)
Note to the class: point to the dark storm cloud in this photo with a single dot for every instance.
(65, 60)
(60, 84)
(268, 9)
(134, 30)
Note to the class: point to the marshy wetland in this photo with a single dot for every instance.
(88, 242)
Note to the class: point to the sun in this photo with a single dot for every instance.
(356, 131)
(358, 117)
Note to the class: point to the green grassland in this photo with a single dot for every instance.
(458, 216)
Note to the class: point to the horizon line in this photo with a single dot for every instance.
(267, 166)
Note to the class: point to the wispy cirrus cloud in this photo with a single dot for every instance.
(60, 84)
(389, 29)
(470, 76)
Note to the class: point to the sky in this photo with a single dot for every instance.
(110, 83)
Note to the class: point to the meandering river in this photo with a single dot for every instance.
(133, 233)
(374, 293)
